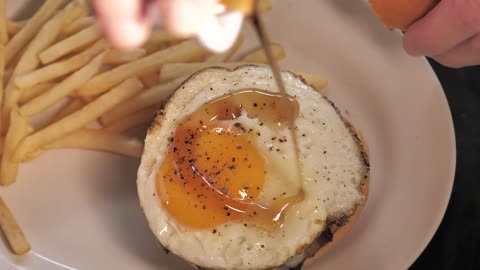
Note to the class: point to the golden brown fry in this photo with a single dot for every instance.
(139, 118)
(63, 89)
(99, 140)
(45, 37)
(34, 91)
(150, 97)
(117, 57)
(186, 51)
(170, 71)
(13, 27)
(264, 6)
(160, 35)
(78, 25)
(258, 56)
(2, 72)
(70, 44)
(6, 75)
(14, 61)
(150, 79)
(314, 80)
(78, 119)
(79, 11)
(58, 69)
(3, 22)
(29, 60)
(176, 70)
(73, 105)
(14, 234)
(17, 131)
(247, 6)
(31, 28)
(222, 57)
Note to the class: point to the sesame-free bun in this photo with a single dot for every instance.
(400, 14)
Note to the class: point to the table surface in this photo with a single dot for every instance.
(456, 244)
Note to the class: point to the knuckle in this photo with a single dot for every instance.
(475, 43)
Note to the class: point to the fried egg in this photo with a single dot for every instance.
(217, 181)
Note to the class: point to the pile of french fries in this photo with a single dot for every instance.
(58, 57)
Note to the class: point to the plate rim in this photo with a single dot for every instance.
(453, 146)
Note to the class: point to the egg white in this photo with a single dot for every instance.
(331, 158)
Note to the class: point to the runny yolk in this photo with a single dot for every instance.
(212, 172)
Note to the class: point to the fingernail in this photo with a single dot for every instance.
(126, 34)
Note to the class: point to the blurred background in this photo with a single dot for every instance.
(456, 244)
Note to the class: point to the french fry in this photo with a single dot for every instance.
(14, 234)
(14, 61)
(13, 27)
(99, 140)
(3, 22)
(17, 131)
(117, 57)
(58, 69)
(139, 118)
(150, 97)
(70, 44)
(247, 6)
(29, 60)
(2, 72)
(31, 28)
(45, 37)
(160, 39)
(264, 6)
(63, 89)
(7, 74)
(78, 119)
(34, 91)
(73, 105)
(176, 70)
(160, 35)
(314, 80)
(79, 11)
(258, 56)
(78, 25)
(186, 51)
(150, 79)
(222, 57)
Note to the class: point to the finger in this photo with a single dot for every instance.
(465, 54)
(124, 22)
(185, 17)
(450, 23)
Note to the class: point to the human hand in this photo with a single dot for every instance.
(450, 34)
(127, 23)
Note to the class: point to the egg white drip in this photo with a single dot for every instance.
(332, 167)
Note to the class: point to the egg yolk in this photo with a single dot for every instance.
(211, 176)
(212, 172)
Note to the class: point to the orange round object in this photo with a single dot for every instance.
(401, 14)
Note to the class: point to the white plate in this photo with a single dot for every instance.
(79, 209)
